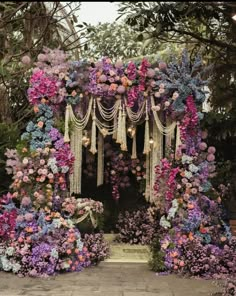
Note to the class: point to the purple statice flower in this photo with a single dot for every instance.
(54, 134)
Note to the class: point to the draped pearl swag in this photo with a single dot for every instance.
(112, 121)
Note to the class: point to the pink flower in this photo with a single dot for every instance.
(25, 179)
(121, 89)
(29, 217)
(20, 218)
(194, 190)
(42, 161)
(211, 157)
(26, 60)
(204, 134)
(40, 124)
(184, 181)
(175, 95)
(25, 160)
(181, 263)
(26, 201)
(42, 179)
(40, 171)
(150, 73)
(186, 196)
(103, 78)
(211, 150)
(162, 66)
(31, 171)
(50, 176)
(167, 103)
(44, 171)
(202, 146)
(19, 174)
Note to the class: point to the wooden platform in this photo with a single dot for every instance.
(126, 253)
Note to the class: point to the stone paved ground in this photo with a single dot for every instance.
(108, 279)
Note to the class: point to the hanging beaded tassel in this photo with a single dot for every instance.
(119, 127)
(93, 148)
(72, 147)
(100, 161)
(123, 132)
(79, 147)
(76, 147)
(178, 140)
(115, 121)
(134, 147)
(67, 118)
(147, 190)
(169, 136)
(146, 148)
(153, 159)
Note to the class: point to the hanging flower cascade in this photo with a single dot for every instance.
(195, 239)
(38, 219)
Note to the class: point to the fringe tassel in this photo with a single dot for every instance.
(67, 118)
(114, 135)
(178, 140)
(147, 190)
(93, 148)
(72, 146)
(100, 161)
(123, 132)
(76, 147)
(119, 127)
(153, 160)
(169, 136)
(134, 147)
(146, 148)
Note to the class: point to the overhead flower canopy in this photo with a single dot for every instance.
(106, 98)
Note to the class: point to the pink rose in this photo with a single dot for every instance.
(194, 190)
(19, 174)
(121, 89)
(40, 124)
(211, 150)
(202, 146)
(103, 78)
(25, 160)
(25, 179)
(167, 103)
(42, 161)
(211, 157)
(181, 263)
(150, 73)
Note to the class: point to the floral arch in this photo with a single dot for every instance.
(98, 100)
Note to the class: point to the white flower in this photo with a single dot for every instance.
(10, 251)
(25, 160)
(64, 169)
(193, 168)
(188, 174)
(164, 223)
(186, 159)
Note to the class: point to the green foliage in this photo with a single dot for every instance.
(120, 41)
(156, 262)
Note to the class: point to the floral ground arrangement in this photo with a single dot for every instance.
(40, 216)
